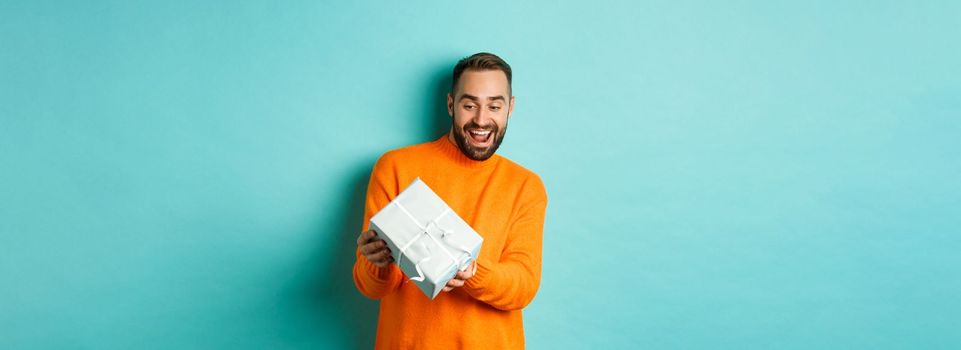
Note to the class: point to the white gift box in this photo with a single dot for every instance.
(427, 239)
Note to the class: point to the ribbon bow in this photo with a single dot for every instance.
(426, 232)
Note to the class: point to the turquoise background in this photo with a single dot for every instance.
(722, 175)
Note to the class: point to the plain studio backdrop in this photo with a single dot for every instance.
(722, 175)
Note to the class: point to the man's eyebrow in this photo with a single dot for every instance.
(475, 98)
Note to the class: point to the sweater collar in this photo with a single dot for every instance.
(451, 152)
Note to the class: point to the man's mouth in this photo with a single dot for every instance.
(480, 137)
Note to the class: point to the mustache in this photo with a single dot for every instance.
(474, 126)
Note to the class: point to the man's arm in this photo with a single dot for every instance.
(511, 282)
(375, 279)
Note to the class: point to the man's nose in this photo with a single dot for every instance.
(482, 117)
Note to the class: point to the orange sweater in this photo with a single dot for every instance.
(505, 204)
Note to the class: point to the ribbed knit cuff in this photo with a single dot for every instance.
(479, 280)
(378, 273)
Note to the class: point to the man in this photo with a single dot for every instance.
(502, 201)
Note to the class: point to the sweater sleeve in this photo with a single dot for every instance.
(372, 281)
(510, 283)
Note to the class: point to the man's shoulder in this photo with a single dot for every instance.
(404, 154)
(517, 168)
(530, 180)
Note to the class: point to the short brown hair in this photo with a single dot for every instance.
(480, 61)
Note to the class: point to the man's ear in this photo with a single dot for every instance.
(510, 110)
(450, 105)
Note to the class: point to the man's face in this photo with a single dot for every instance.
(480, 106)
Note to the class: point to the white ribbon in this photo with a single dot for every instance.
(425, 231)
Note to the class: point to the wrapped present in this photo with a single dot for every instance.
(428, 240)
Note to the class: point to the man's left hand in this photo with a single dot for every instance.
(461, 277)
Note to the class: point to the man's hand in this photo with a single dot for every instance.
(375, 250)
(461, 277)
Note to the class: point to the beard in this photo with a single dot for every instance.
(478, 153)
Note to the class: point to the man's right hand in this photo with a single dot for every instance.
(375, 250)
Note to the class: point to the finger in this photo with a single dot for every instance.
(372, 247)
(380, 262)
(380, 256)
(447, 289)
(366, 249)
(455, 283)
(374, 252)
(463, 275)
(365, 236)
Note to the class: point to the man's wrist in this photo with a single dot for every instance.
(480, 276)
(377, 272)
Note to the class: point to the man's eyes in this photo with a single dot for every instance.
(493, 108)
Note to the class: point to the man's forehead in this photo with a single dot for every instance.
(483, 85)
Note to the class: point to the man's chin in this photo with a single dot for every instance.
(476, 153)
(480, 154)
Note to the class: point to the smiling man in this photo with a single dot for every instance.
(504, 202)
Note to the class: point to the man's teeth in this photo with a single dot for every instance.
(480, 133)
